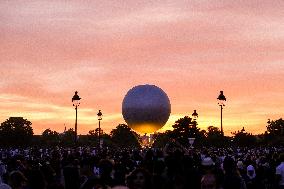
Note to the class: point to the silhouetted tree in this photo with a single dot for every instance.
(184, 128)
(50, 137)
(68, 137)
(276, 128)
(93, 137)
(94, 134)
(16, 131)
(275, 132)
(122, 136)
(161, 139)
(107, 142)
(214, 136)
(242, 138)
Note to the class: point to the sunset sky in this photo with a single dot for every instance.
(191, 49)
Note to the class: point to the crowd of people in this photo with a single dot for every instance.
(173, 167)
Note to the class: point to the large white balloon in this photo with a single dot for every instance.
(146, 108)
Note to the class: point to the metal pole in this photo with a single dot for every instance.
(99, 135)
(221, 121)
(76, 126)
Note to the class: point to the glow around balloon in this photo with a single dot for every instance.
(146, 108)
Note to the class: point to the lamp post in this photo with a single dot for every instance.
(99, 118)
(191, 141)
(195, 116)
(193, 129)
(221, 102)
(76, 103)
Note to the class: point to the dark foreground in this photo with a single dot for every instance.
(168, 168)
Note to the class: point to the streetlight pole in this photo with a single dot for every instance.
(221, 98)
(222, 120)
(99, 118)
(76, 103)
(192, 135)
(76, 134)
(195, 116)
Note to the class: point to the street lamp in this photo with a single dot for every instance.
(195, 116)
(221, 102)
(192, 138)
(99, 118)
(76, 103)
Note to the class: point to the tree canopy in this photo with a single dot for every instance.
(122, 136)
(185, 128)
(275, 132)
(276, 128)
(242, 138)
(50, 137)
(16, 131)
(214, 136)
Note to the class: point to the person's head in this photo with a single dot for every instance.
(229, 165)
(139, 179)
(120, 187)
(250, 171)
(208, 181)
(240, 165)
(17, 179)
(207, 163)
(106, 167)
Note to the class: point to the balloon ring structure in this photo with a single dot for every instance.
(146, 108)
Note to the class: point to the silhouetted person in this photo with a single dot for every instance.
(120, 187)
(17, 180)
(280, 173)
(71, 174)
(159, 179)
(208, 181)
(3, 171)
(36, 180)
(232, 178)
(139, 179)
(250, 178)
(105, 175)
(104, 178)
(192, 174)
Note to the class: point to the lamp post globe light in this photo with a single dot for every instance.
(221, 102)
(76, 102)
(100, 115)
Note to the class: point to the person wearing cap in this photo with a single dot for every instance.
(208, 166)
(207, 161)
